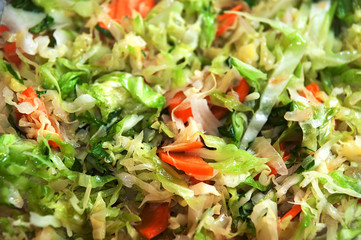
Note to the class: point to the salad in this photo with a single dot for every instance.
(180, 119)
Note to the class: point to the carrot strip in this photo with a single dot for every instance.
(227, 20)
(183, 114)
(242, 89)
(226, 15)
(192, 165)
(123, 8)
(154, 219)
(30, 96)
(11, 55)
(314, 89)
(295, 210)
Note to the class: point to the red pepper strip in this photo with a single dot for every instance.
(154, 219)
(183, 114)
(227, 20)
(183, 147)
(295, 210)
(29, 95)
(3, 29)
(242, 89)
(10, 54)
(192, 165)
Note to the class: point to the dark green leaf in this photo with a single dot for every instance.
(26, 5)
(251, 3)
(99, 153)
(77, 166)
(225, 131)
(246, 210)
(39, 93)
(104, 31)
(43, 25)
(14, 73)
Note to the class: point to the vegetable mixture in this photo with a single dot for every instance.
(180, 119)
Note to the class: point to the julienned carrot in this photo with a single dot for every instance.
(183, 114)
(314, 89)
(30, 96)
(192, 165)
(11, 55)
(227, 20)
(226, 15)
(242, 89)
(123, 8)
(295, 210)
(154, 219)
(183, 147)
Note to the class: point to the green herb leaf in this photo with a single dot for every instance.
(43, 25)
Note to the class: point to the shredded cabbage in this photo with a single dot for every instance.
(263, 95)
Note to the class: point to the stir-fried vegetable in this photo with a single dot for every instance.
(180, 119)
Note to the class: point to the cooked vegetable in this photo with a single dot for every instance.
(180, 119)
(180, 112)
(33, 113)
(154, 219)
(192, 165)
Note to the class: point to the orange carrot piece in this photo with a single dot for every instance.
(226, 15)
(29, 95)
(183, 114)
(123, 8)
(192, 165)
(242, 89)
(295, 210)
(227, 20)
(11, 55)
(154, 219)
